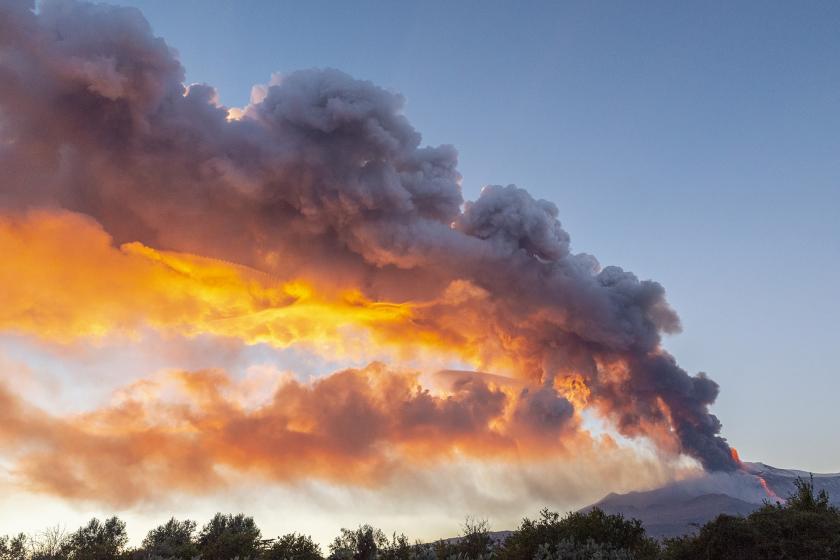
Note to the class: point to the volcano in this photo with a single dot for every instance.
(681, 507)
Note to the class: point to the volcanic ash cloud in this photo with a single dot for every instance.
(319, 189)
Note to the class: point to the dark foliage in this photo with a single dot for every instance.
(226, 537)
(97, 541)
(612, 532)
(172, 540)
(364, 543)
(13, 548)
(806, 527)
(397, 548)
(292, 547)
(474, 543)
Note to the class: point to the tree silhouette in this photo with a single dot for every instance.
(174, 540)
(293, 547)
(551, 533)
(804, 498)
(226, 537)
(363, 543)
(50, 544)
(13, 548)
(97, 541)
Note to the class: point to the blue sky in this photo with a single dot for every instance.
(695, 144)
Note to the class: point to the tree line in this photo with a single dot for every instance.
(805, 527)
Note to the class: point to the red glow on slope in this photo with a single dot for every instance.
(763, 483)
(767, 489)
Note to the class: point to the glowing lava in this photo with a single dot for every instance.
(767, 489)
(763, 483)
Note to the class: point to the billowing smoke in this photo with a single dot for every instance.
(177, 430)
(322, 180)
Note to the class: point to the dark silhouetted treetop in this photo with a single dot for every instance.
(363, 543)
(13, 548)
(292, 547)
(97, 541)
(547, 533)
(226, 537)
(172, 540)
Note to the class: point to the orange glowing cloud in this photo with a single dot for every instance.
(188, 432)
(63, 279)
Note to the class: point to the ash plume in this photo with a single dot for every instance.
(323, 179)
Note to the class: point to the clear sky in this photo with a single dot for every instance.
(694, 144)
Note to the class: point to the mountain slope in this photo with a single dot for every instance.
(674, 517)
(680, 507)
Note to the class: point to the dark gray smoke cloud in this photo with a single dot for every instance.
(326, 178)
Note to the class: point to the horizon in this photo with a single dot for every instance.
(241, 294)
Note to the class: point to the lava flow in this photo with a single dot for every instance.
(763, 483)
